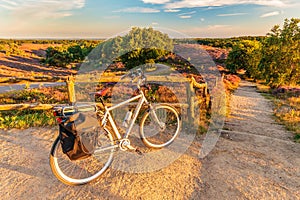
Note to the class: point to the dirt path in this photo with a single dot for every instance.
(256, 159)
(25, 174)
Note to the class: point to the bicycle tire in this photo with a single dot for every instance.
(84, 170)
(152, 134)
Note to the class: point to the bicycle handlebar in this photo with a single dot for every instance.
(139, 73)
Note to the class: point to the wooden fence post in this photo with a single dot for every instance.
(206, 96)
(71, 90)
(191, 102)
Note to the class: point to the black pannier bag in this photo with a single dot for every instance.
(78, 136)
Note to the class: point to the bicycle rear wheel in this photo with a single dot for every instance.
(84, 170)
(160, 126)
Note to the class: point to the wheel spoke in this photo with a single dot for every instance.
(83, 170)
(160, 126)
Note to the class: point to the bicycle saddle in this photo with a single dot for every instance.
(102, 92)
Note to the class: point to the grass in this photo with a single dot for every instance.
(41, 95)
(26, 118)
(286, 108)
(263, 88)
(231, 83)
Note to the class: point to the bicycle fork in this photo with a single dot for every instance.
(154, 116)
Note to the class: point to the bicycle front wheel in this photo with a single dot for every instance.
(160, 126)
(84, 170)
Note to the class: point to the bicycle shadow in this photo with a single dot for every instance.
(177, 180)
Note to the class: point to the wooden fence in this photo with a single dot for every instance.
(189, 83)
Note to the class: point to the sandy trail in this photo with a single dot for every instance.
(255, 159)
(25, 173)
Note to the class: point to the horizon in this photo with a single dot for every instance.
(87, 38)
(85, 19)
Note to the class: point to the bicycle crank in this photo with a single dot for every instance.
(125, 145)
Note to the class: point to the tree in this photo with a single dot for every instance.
(57, 56)
(276, 59)
(245, 55)
(63, 56)
(280, 63)
(135, 48)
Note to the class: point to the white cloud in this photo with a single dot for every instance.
(138, 10)
(41, 8)
(154, 23)
(231, 14)
(185, 16)
(188, 13)
(213, 3)
(171, 10)
(214, 7)
(270, 14)
(202, 19)
(156, 1)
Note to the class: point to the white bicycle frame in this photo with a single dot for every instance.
(107, 115)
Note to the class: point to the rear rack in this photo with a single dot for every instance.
(70, 110)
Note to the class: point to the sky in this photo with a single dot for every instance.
(106, 18)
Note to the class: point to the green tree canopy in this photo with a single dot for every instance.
(280, 63)
(276, 59)
(245, 55)
(137, 47)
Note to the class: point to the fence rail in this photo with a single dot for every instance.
(32, 79)
(26, 106)
(190, 84)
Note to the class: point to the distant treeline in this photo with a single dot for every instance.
(62, 53)
(48, 41)
(226, 42)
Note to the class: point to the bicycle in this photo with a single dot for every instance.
(159, 126)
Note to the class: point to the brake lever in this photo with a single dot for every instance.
(127, 75)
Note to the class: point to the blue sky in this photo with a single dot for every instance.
(105, 18)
